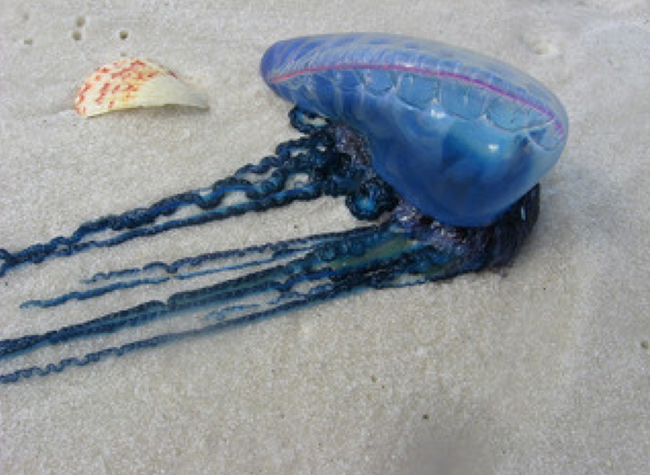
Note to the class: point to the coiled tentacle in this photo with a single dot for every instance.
(302, 169)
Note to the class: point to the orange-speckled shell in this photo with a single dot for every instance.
(130, 83)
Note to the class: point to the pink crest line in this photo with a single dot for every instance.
(425, 72)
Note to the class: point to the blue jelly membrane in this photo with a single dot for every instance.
(457, 134)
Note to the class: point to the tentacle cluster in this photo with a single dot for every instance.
(276, 180)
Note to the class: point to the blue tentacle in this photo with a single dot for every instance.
(387, 255)
(186, 268)
(259, 187)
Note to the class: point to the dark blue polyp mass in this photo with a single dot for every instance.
(460, 136)
(439, 149)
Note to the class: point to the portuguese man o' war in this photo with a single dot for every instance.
(442, 149)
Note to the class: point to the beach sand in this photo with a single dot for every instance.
(541, 369)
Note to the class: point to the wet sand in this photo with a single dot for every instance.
(544, 368)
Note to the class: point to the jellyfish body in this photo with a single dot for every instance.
(403, 129)
(458, 135)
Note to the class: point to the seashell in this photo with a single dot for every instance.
(130, 83)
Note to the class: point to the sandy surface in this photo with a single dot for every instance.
(545, 369)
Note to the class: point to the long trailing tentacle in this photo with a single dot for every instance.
(320, 275)
(302, 169)
(187, 268)
(276, 278)
(386, 255)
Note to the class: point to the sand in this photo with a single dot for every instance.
(541, 369)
